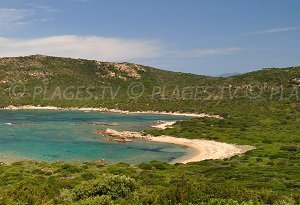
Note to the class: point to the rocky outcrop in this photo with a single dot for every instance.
(121, 136)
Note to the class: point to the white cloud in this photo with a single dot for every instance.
(92, 47)
(42, 8)
(273, 30)
(103, 48)
(197, 53)
(13, 17)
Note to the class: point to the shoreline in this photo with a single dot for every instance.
(162, 125)
(30, 107)
(202, 149)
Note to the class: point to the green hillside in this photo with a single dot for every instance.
(260, 108)
(65, 82)
(100, 84)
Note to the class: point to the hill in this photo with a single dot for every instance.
(260, 108)
(44, 80)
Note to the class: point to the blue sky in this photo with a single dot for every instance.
(199, 36)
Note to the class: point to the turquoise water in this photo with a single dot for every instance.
(67, 136)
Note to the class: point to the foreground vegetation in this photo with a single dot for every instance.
(267, 175)
(266, 116)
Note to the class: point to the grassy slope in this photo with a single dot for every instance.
(64, 72)
(269, 174)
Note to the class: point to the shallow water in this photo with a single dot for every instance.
(67, 136)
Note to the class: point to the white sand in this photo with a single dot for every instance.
(30, 107)
(203, 149)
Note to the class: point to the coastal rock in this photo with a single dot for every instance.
(121, 136)
(163, 124)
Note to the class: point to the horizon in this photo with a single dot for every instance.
(239, 37)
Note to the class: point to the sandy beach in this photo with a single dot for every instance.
(30, 107)
(163, 125)
(202, 149)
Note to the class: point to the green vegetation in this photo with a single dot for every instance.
(274, 165)
(259, 108)
(64, 82)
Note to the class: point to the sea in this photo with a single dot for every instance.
(69, 136)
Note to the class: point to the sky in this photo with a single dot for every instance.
(209, 37)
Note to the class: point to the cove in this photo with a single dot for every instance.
(50, 135)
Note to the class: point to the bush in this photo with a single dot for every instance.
(112, 185)
(88, 176)
(227, 202)
(258, 159)
(66, 195)
(71, 168)
(98, 200)
(267, 141)
(160, 165)
(290, 148)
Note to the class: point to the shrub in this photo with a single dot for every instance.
(145, 166)
(160, 165)
(71, 168)
(112, 185)
(98, 200)
(243, 129)
(267, 141)
(66, 195)
(258, 159)
(227, 202)
(88, 176)
(291, 148)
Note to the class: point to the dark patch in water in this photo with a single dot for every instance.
(55, 156)
(147, 149)
(172, 159)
